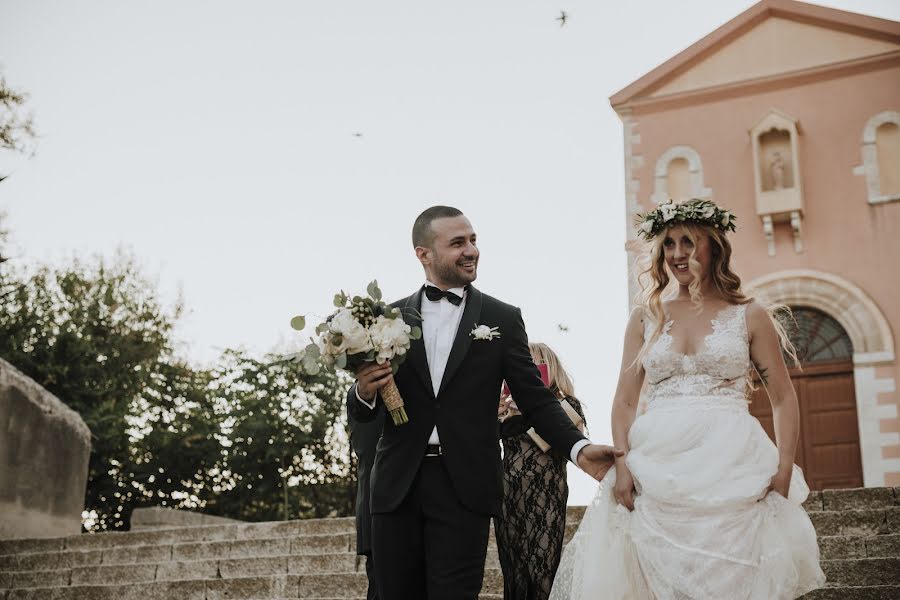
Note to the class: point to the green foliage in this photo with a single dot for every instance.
(249, 439)
(95, 336)
(16, 129)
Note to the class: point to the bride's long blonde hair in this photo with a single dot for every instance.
(654, 281)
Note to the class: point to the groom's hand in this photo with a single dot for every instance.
(595, 459)
(371, 377)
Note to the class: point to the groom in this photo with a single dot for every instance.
(437, 479)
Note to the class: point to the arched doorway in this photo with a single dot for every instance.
(829, 448)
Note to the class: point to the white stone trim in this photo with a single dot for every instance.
(633, 161)
(870, 157)
(869, 413)
(868, 328)
(695, 166)
(889, 439)
(861, 359)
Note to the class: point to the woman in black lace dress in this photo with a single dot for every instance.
(532, 522)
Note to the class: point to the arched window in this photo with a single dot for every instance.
(679, 176)
(817, 337)
(881, 157)
(678, 180)
(887, 146)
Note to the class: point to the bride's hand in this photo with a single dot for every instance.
(623, 491)
(781, 482)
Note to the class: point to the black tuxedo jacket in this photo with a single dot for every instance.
(465, 409)
(363, 438)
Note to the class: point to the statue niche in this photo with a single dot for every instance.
(775, 147)
(776, 170)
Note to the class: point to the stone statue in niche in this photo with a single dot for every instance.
(776, 169)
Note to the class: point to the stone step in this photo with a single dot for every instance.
(223, 568)
(341, 585)
(861, 522)
(876, 577)
(860, 499)
(299, 545)
(848, 546)
(208, 533)
(873, 592)
(865, 571)
(853, 499)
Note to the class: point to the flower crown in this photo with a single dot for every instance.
(704, 212)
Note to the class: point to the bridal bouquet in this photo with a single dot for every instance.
(362, 329)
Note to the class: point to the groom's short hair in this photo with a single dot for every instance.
(422, 233)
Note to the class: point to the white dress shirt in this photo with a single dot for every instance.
(440, 321)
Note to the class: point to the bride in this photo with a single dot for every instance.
(703, 504)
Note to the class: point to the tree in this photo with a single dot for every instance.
(263, 441)
(16, 129)
(249, 439)
(95, 335)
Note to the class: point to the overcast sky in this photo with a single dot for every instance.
(214, 139)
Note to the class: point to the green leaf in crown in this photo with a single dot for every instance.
(696, 210)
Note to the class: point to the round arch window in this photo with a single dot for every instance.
(818, 337)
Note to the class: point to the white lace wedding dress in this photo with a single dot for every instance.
(701, 526)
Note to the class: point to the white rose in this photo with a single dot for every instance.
(668, 211)
(390, 337)
(342, 321)
(647, 226)
(483, 332)
(725, 219)
(708, 211)
(355, 337)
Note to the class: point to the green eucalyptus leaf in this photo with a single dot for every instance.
(312, 351)
(340, 361)
(298, 323)
(339, 300)
(415, 333)
(311, 366)
(374, 290)
(321, 328)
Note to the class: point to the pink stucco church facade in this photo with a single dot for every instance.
(789, 115)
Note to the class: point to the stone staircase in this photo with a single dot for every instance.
(859, 535)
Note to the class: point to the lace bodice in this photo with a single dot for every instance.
(720, 367)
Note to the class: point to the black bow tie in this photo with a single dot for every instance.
(434, 294)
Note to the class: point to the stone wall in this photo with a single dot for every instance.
(44, 452)
(160, 517)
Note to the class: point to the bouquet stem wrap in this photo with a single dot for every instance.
(394, 403)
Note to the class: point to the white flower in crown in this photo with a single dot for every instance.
(483, 332)
(725, 218)
(647, 226)
(668, 211)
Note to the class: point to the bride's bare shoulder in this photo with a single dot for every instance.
(638, 319)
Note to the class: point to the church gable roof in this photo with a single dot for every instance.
(772, 38)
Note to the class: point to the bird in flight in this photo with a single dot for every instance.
(357, 135)
(563, 328)
(562, 18)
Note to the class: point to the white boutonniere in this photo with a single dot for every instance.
(483, 332)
